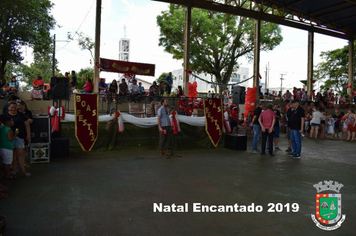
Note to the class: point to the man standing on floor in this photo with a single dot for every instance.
(256, 126)
(296, 122)
(267, 120)
(164, 126)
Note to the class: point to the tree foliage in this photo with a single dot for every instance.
(23, 22)
(84, 42)
(217, 40)
(42, 65)
(83, 75)
(333, 72)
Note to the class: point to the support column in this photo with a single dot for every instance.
(310, 64)
(188, 19)
(97, 46)
(351, 67)
(256, 55)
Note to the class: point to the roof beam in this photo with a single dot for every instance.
(213, 6)
(327, 8)
(333, 12)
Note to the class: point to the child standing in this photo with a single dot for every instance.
(331, 124)
(6, 145)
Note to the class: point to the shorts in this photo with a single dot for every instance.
(322, 122)
(19, 143)
(276, 131)
(351, 127)
(6, 155)
(233, 123)
(337, 126)
(168, 89)
(317, 125)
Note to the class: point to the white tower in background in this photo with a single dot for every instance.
(124, 48)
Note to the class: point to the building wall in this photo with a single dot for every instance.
(241, 74)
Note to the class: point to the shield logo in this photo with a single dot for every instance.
(328, 208)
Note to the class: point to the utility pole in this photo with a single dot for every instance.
(97, 45)
(54, 55)
(266, 78)
(282, 80)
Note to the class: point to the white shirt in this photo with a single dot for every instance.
(134, 87)
(317, 115)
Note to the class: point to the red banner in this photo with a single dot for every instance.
(126, 67)
(213, 119)
(86, 119)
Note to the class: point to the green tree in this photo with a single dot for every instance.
(162, 77)
(83, 75)
(23, 22)
(333, 71)
(42, 65)
(217, 39)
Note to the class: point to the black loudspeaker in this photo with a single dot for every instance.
(59, 88)
(236, 142)
(238, 95)
(40, 129)
(60, 147)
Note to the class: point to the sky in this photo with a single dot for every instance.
(136, 20)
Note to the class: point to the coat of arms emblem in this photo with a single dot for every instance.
(328, 205)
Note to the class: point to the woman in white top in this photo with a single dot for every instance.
(315, 122)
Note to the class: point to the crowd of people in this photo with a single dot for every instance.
(302, 119)
(15, 135)
(133, 91)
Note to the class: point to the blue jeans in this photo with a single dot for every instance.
(296, 139)
(256, 136)
(137, 96)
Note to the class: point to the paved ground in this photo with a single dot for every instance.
(112, 193)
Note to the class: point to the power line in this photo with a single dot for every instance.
(79, 25)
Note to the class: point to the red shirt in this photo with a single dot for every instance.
(38, 82)
(234, 114)
(88, 87)
(267, 118)
(181, 105)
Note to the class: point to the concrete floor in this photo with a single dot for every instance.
(112, 193)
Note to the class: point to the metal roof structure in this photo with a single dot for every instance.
(330, 17)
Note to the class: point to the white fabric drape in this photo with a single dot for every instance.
(145, 122)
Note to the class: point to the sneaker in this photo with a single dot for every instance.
(258, 150)
(27, 175)
(168, 153)
(289, 149)
(296, 156)
(291, 154)
(262, 154)
(255, 152)
(161, 153)
(272, 155)
(277, 149)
